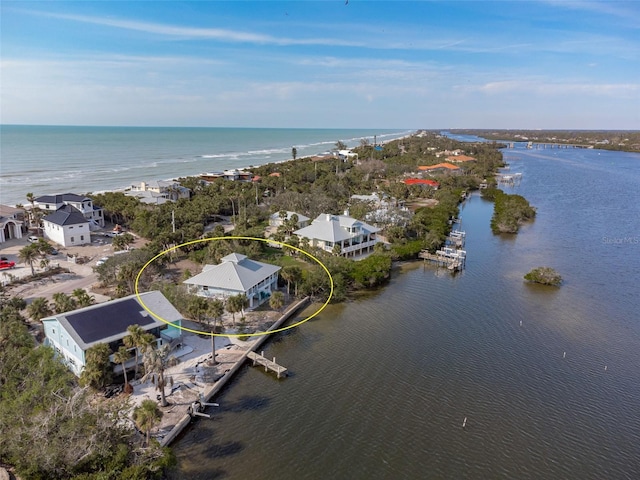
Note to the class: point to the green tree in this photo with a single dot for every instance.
(215, 312)
(137, 339)
(39, 309)
(291, 274)
(147, 415)
(29, 255)
(277, 300)
(63, 303)
(234, 305)
(82, 297)
(121, 357)
(544, 276)
(97, 371)
(156, 361)
(122, 242)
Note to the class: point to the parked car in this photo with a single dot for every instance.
(6, 264)
(33, 238)
(101, 261)
(54, 252)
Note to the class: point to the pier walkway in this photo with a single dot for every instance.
(453, 259)
(260, 359)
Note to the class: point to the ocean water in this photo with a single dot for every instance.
(547, 378)
(58, 159)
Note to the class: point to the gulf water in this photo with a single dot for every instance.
(547, 378)
(46, 160)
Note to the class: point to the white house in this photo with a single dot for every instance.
(93, 214)
(10, 224)
(233, 175)
(67, 227)
(158, 192)
(71, 334)
(353, 237)
(275, 220)
(236, 274)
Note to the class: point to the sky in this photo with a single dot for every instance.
(545, 64)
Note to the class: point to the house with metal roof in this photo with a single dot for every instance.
(93, 214)
(340, 232)
(236, 274)
(67, 227)
(71, 334)
(157, 192)
(276, 219)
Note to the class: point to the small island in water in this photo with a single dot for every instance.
(544, 276)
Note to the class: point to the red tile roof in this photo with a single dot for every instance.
(421, 181)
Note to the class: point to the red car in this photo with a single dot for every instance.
(5, 264)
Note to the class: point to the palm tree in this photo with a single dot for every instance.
(39, 308)
(121, 356)
(97, 369)
(277, 300)
(137, 339)
(82, 298)
(31, 199)
(29, 255)
(156, 361)
(233, 307)
(63, 303)
(146, 416)
(215, 311)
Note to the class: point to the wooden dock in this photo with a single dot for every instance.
(451, 258)
(260, 359)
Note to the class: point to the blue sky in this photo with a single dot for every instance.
(323, 64)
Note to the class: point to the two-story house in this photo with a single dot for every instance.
(93, 214)
(236, 274)
(340, 234)
(158, 192)
(71, 334)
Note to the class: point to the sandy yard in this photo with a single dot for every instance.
(193, 372)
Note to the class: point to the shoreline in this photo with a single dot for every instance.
(110, 165)
(231, 356)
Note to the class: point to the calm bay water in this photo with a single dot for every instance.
(380, 386)
(47, 160)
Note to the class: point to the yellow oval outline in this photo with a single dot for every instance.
(256, 334)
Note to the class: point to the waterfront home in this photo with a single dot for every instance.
(71, 334)
(93, 214)
(233, 175)
(440, 168)
(11, 223)
(340, 235)
(67, 227)
(158, 192)
(277, 219)
(236, 274)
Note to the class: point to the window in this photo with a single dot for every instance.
(70, 228)
(205, 288)
(72, 239)
(53, 330)
(81, 237)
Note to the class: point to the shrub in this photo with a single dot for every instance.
(544, 276)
